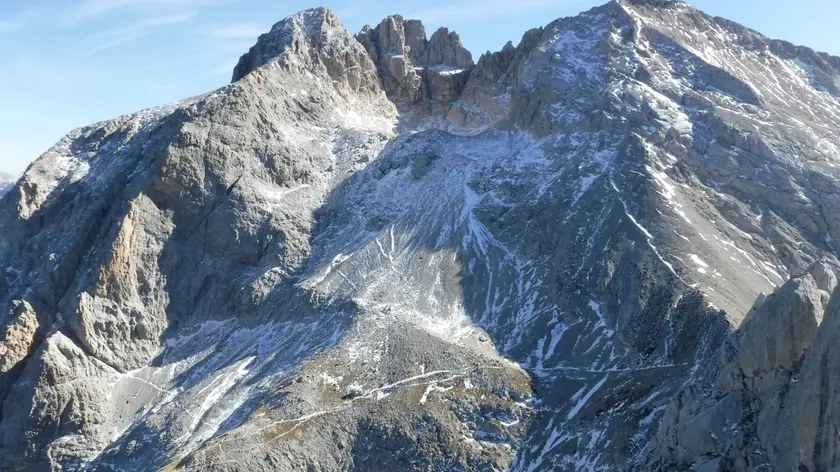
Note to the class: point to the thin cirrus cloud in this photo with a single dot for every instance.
(238, 31)
(226, 43)
(134, 19)
(90, 9)
(480, 9)
(19, 20)
(12, 24)
(135, 30)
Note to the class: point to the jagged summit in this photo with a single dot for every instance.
(412, 69)
(291, 38)
(370, 252)
(424, 77)
(416, 70)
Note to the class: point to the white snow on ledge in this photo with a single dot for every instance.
(648, 235)
(446, 70)
(581, 401)
(696, 259)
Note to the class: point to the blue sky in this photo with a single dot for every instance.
(68, 63)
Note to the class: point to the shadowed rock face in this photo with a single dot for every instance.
(770, 395)
(370, 253)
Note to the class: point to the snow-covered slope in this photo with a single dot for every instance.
(6, 182)
(369, 252)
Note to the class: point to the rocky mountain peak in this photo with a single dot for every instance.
(313, 39)
(313, 22)
(370, 253)
(415, 70)
(444, 49)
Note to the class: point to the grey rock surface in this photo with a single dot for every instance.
(423, 77)
(444, 49)
(367, 253)
(769, 405)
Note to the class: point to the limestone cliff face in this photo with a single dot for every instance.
(369, 252)
(769, 400)
(424, 77)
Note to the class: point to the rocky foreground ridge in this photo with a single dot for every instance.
(612, 246)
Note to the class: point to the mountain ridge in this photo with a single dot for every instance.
(352, 258)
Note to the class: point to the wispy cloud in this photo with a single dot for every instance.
(19, 20)
(224, 54)
(482, 9)
(239, 31)
(224, 70)
(226, 43)
(13, 116)
(160, 85)
(89, 9)
(135, 30)
(217, 49)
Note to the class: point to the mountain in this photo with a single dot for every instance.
(609, 247)
(6, 182)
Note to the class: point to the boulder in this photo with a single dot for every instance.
(421, 161)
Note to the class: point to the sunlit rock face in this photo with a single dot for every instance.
(609, 247)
